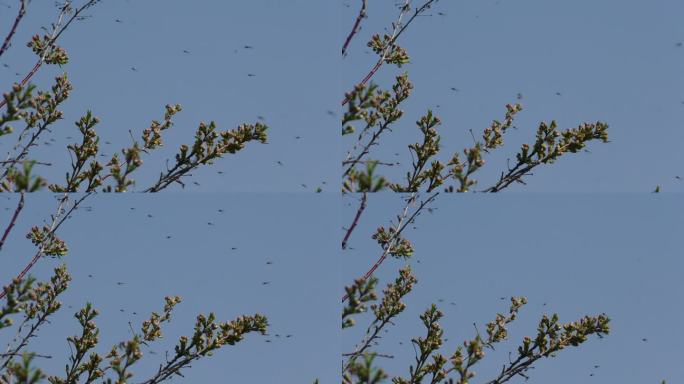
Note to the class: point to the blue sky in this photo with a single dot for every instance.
(579, 254)
(296, 72)
(611, 61)
(198, 263)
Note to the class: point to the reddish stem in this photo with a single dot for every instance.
(363, 82)
(20, 15)
(355, 29)
(355, 222)
(366, 276)
(24, 272)
(26, 78)
(20, 206)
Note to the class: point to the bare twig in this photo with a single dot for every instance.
(17, 161)
(362, 206)
(356, 28)
(16, 350)
(514, 174)
(374, 354)
(43, 127)
(366, 342)
(376, 162)
(30, 353)
(20, 15)
(172, 175)
(366, 149)
(20, 206)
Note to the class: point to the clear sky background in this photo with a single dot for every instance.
(579, 254)
(296, 77)
(115, 243)
(612, 61)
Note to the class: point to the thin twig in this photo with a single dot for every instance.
(173, 366)
(515, 174)
(20, 206)
(356, 28)
(26, 147)
(366, 149)
(30, 353)
(376, 162)
(366, 342)
(517, 367)
(362, 206)
(172, 175)
(42, 319)
(20, 15)
(374, 354)
(17, 161)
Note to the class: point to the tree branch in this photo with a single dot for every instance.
(356, 28)
(362, 206)
(20, 206)
(20, 15)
